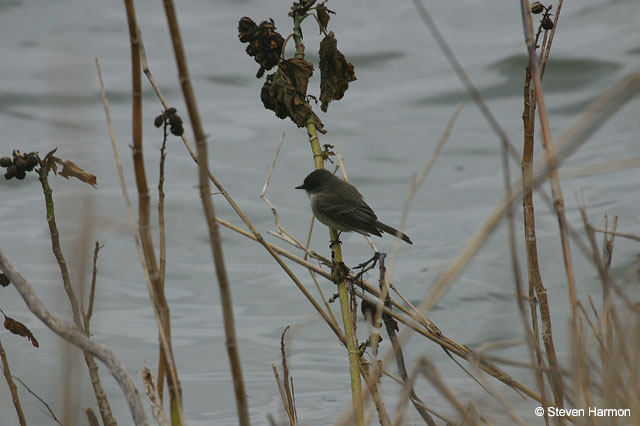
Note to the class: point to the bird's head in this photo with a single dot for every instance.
(316, 180)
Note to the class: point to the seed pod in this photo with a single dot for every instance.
(158, 120)
(547, 23)
(175, 120)
(170, 111)
(5, 161)
(177, 130)
(21, 174)
(12, 170)
(20, 163)
(537, 7)
(32, 161)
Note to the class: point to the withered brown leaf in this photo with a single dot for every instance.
(18, 328)
(285, 92)
(70, 169)
(335, 72)
(323, 15)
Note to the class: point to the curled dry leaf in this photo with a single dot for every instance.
(327, 152)
(323, 15)
(285, 92)
(264, 42)
(16, 327)
(70, 169)
(335, 72)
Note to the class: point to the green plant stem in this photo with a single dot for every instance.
(352, 345)
(349, 331)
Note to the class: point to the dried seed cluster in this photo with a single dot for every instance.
(265, 43)
(19, 165)
(537, 8)
(172, 119)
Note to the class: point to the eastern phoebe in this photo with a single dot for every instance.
(339, 205)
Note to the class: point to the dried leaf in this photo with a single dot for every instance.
(327, 153)
(335, 72)
(91, 417)
(70, 169)
(16, 327)
(323, 15)
(50, 161)
(285, 92)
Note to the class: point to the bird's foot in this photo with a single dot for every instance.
(373, 259)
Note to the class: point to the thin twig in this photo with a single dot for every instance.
(162, 237)
(556, 189)
(634, 237)
(77, 338)
(132, 222)
(92, 291)
(39, 399)
(13, 389)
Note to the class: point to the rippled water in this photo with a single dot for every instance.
(386, 127)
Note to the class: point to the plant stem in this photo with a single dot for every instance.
(349, 331)
(144, 210)
(12, 387)
(209, 212)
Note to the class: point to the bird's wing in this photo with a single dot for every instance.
(352, 217)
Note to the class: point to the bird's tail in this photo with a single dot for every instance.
(392, 231)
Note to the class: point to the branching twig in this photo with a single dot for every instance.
(42, 401)
(77, 338)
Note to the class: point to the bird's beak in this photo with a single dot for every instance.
(299, 187)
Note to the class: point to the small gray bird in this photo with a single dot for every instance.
(339, 205)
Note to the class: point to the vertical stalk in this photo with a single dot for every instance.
(144, 211)
(209, 212)
(533, 272)
(103, 403)
(352, 346)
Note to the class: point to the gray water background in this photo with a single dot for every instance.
(385, 127)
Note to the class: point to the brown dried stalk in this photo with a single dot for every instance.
(154, 398)
(536, 287)
(556, 189)
(134, 230)
(144, 210)
(595, 115)
(12, 386)
(103, 403)
(207, 204)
